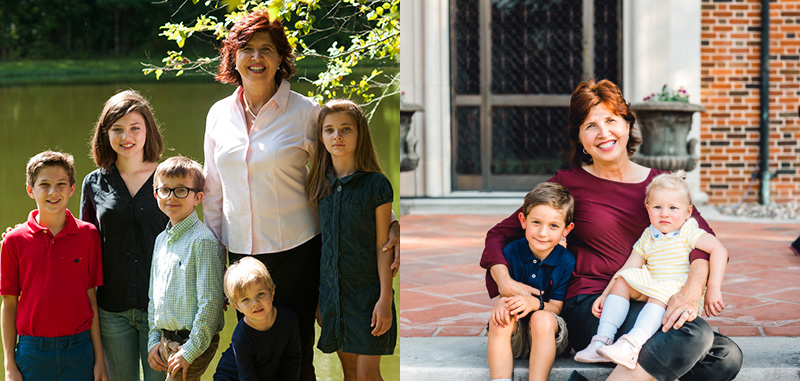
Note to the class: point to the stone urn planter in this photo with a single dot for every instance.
(409, 159)
(664, 127)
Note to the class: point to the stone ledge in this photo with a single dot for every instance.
(464, 358)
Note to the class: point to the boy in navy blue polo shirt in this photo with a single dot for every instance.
(529, 325)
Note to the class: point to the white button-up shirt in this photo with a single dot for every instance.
(255, 199)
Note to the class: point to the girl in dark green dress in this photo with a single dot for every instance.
(354, 201)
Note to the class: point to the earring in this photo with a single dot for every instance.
(584, 152)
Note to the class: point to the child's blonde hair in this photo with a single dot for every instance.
(244, 273)
(317, 185)
(675, 181)
(181, 166)
(551, 194)
(49, 159)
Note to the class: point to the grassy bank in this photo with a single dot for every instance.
(29, 72)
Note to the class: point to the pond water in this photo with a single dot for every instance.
(62, 117)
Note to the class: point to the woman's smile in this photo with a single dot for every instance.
(607, 146)
(258, 59)
(604, 134)
(257, 68)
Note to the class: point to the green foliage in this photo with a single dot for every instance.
(342, 34)
(667, 95)
(86, 29)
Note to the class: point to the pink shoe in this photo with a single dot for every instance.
(589, 354)
(624, 352)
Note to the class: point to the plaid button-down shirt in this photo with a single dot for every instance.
(186, 285)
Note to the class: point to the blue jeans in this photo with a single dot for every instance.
(56, 358)
(124, 337)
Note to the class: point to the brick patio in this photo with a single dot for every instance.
(443, 294)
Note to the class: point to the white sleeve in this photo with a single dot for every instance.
(212, 200)
(311, 126)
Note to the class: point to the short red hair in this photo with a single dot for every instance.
(240, 34)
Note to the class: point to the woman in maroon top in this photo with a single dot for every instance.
(610, 215)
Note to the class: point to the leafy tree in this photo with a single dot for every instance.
(343, 35)
(86, 29)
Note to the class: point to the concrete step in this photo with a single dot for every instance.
(464, 359)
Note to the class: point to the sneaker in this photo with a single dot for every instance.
(624, 352)
(589, 354)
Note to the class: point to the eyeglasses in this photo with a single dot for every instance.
(180, 192)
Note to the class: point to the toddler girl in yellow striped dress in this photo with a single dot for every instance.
(656, 269)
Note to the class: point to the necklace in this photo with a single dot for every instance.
(247, 106)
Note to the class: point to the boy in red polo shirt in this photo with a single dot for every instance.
(49, 268)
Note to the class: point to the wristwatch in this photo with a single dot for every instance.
(541, 300)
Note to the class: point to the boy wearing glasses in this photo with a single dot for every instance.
(185, 310)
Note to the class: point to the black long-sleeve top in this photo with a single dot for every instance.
(128, 228)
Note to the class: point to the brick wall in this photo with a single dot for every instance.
(730, 83)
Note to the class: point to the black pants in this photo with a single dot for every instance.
(693, 352)
(296, 276)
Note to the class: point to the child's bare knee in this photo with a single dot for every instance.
(543, 323)
(497, 331)
(620, 285)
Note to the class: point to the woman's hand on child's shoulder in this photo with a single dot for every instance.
(381, 316)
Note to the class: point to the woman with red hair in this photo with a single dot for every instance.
(258, 142)
(609, 193)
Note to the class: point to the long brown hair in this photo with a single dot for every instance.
(317, 185)
(119, 105)
(587, 95)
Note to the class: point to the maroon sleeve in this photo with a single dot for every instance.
(697, 253)
(497, 238)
